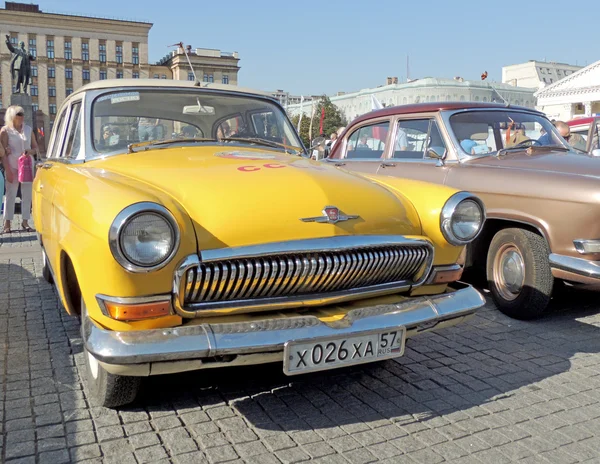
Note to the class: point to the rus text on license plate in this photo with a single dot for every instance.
(329, 352)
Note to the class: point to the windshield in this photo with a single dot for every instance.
(155, 114)
(486, 132)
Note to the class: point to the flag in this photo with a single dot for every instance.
(321, 122)
(301, 112)
(484, 76)
(375, 104)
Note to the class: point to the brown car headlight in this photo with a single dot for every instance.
(144, 237)
(462, 218)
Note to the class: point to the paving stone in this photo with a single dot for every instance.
(221, 454)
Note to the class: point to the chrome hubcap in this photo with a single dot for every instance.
(509, 271)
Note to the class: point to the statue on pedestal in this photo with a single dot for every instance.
(21, 64)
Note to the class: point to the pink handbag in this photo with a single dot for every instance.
(25, 168)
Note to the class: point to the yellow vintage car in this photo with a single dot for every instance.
(186, 227)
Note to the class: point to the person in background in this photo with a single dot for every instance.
(16, 138)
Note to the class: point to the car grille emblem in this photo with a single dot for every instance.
(331, 215)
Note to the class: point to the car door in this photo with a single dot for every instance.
(410, 154)
(44, 185)
(364, 147)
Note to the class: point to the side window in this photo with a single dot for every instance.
(231, 127)
(436, 142)
(368, 141)
(411, 139)
(58, 127)
(74, 132)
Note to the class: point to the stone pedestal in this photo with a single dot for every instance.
(24, 101)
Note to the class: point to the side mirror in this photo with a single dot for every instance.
(436, 153)
(596, 152)
(40, 161)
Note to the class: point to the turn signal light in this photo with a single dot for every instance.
(135, 312)
(445, 276)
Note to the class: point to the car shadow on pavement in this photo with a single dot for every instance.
(456, 371)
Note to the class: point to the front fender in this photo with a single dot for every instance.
(428, 199)
(81, 230)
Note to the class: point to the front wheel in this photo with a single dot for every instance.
(107, 389)
(518, 273)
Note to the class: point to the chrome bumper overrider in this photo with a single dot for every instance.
(578, 266)
(269, 335)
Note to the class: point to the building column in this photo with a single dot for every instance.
(588, 108)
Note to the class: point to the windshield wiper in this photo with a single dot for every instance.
(258, 140)
(152, 143)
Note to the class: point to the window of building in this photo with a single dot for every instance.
(69, 91)
(35, 107)
(85, 51)
(190, 76)
(34, 72)
(68, 51)
(51, 72)
(0, 90)
(208, 78)
(156, 76)
(102, 49)
(119, 74)
(225, 79)
(33, 47)
(119, 54)
(50, 48)
(52, 108)
(14, 41)
(33, 90)
(163, 76)
(135, 54)
(52, 91)
(68, 73)
(136, 75)
(86, 74)
(102, 75)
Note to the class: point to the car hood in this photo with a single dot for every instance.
(554, 161)
(238, 198)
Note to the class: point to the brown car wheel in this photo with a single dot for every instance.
(518, 273)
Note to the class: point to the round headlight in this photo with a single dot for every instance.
(462, 218)
(144, 237)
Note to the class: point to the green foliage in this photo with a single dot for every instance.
(334, 119)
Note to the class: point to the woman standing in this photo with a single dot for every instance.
(16, 138)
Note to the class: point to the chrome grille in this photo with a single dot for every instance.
(244, 281)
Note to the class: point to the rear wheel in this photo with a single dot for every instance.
(108, 390)
(518, 273)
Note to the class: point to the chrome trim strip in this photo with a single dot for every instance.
(580, 245)
(328, 244)
(101, 299)
(448, 211)
(575, 265)
(269, 335)
(121, 221)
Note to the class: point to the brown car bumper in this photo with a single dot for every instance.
(575, 269)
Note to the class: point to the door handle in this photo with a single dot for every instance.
(387, 165)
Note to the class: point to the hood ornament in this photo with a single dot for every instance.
(330, 215)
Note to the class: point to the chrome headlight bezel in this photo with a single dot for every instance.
(448, 212)
(124, 218)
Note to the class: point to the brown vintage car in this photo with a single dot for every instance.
(542, 196)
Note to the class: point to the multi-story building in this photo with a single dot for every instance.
(536, 74)
(429, 89)
(71, 51)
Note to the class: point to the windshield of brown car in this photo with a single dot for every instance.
(486, 132)
(155, 114)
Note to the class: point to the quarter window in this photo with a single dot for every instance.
(74, 132)
(368, 141)
(56, 134)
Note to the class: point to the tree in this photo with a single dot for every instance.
(334, 119)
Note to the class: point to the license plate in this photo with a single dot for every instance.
(302, 356)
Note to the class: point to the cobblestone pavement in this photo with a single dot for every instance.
(492, 390)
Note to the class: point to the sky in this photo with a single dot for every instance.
(313, 47)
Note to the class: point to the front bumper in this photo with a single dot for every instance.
(575, 269)
(195, 346)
